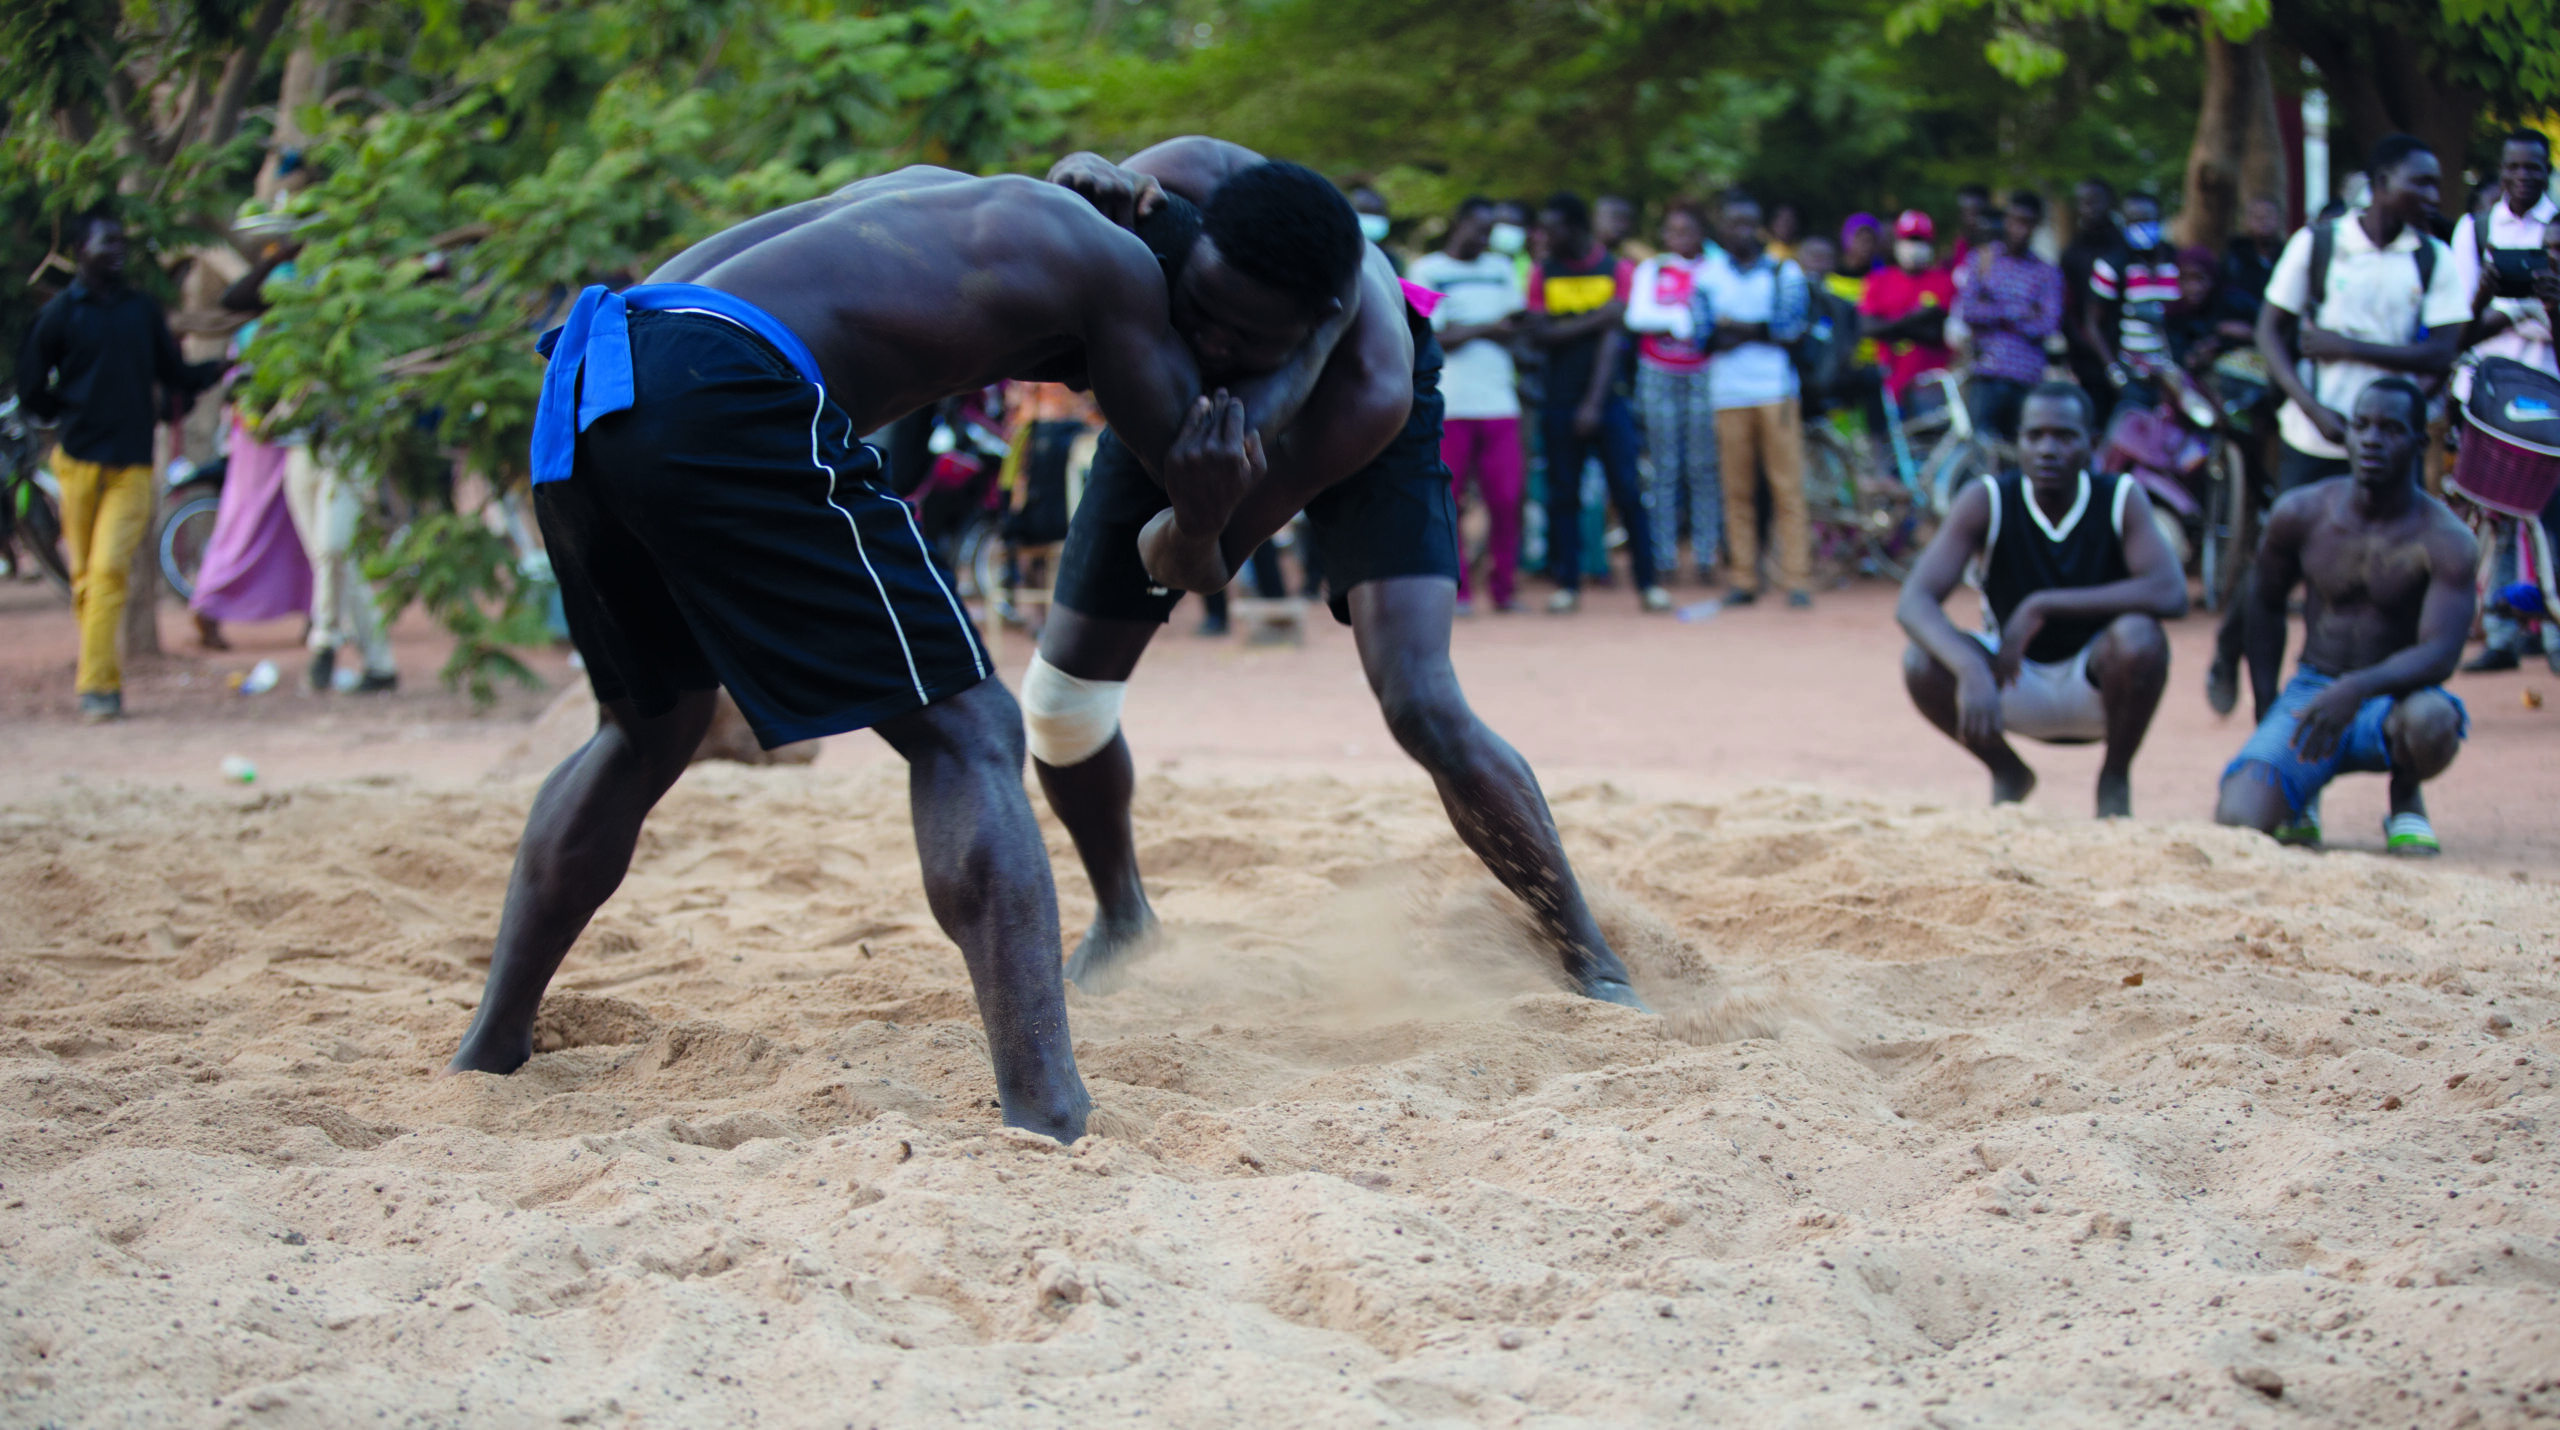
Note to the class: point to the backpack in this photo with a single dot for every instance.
(2324, 247)
(1824, 355)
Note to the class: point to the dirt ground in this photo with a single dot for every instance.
(1953, 1117)
(1749, 697)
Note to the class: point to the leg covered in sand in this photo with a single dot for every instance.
(1072, 710)
(1402, 626)
(986, 876)
(577, 846)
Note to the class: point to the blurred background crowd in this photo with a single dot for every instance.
(1735, 295)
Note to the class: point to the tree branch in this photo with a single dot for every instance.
(241, 71)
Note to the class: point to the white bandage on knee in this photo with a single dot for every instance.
(1068, 720)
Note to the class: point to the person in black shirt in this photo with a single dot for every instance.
(2094, 235)
(1579, 299)
(2251, 261)
(102, 361)
(2075, 582)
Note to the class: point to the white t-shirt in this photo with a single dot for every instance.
(1754, 374)
(2373, 297)
(1477, 381)
(2529, 340)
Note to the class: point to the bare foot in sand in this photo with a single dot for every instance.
(1102, 961)
(2013, 783)
(2115, 794)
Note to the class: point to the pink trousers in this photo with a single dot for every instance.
(1488, 448)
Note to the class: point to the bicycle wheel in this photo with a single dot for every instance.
(1893, 532)
(2228, 532)
(39, 536)
(183, 539)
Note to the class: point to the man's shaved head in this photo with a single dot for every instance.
(1286, 227)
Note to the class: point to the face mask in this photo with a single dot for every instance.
(1507, 238)
(1373, 227)
(1911, 252)
(2140, 236)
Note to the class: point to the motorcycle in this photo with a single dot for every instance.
(30, 503)
(2186, 451)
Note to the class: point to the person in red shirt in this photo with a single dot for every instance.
(1906, 305)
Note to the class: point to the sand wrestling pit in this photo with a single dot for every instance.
(1955, 1117)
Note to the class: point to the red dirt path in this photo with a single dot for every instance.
(1750, 697)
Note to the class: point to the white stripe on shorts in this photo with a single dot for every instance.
(856, 528)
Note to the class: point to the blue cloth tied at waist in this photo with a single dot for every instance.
(596, 341)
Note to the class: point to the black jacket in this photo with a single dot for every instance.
(95, 354)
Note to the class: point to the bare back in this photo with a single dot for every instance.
(2368, 580)
(925, 283)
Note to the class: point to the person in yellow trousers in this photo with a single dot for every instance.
(102, 362)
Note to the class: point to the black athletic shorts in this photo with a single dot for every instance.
(1393, 517)
(729, 530)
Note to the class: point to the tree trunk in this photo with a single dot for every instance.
(2213, 161)
(240, 72)
(2378, 87)
(2238, 155)
(306, 80)
(2264, 172)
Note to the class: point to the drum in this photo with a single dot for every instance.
(2510, 460)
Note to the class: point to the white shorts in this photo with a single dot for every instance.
(2057, 703)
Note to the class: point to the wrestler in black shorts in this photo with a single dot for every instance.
(728, 529)
(1395, 517)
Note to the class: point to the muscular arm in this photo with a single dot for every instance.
(2279, 569)
(1922, 610)
(1358, 405)
(1323, 416)
(1144, 377)
(1192, 168)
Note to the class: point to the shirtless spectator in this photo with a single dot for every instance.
(2388, 577)
(2075, 582)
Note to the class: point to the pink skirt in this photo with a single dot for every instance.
(254, 569)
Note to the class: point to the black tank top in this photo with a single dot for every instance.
(2026, 555)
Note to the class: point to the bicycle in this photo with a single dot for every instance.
(1862, 525)
(188, 510)
(1956, 454)
(30, 502)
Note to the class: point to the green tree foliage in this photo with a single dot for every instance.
(2438, 68)
(1804, 102)
(481, 163)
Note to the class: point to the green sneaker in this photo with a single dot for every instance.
(2303, 830)
(2411, 837)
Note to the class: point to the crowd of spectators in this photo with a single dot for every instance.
(1670, 380)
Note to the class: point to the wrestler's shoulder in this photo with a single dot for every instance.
(993, 216)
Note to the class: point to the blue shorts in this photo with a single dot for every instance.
(2363, 749)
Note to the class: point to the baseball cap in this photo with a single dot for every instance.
(1914, 224)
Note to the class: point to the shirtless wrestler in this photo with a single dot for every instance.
(714, 522)
(2387, 571)
(1363, 461)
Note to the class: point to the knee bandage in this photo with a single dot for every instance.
(1068, 720)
